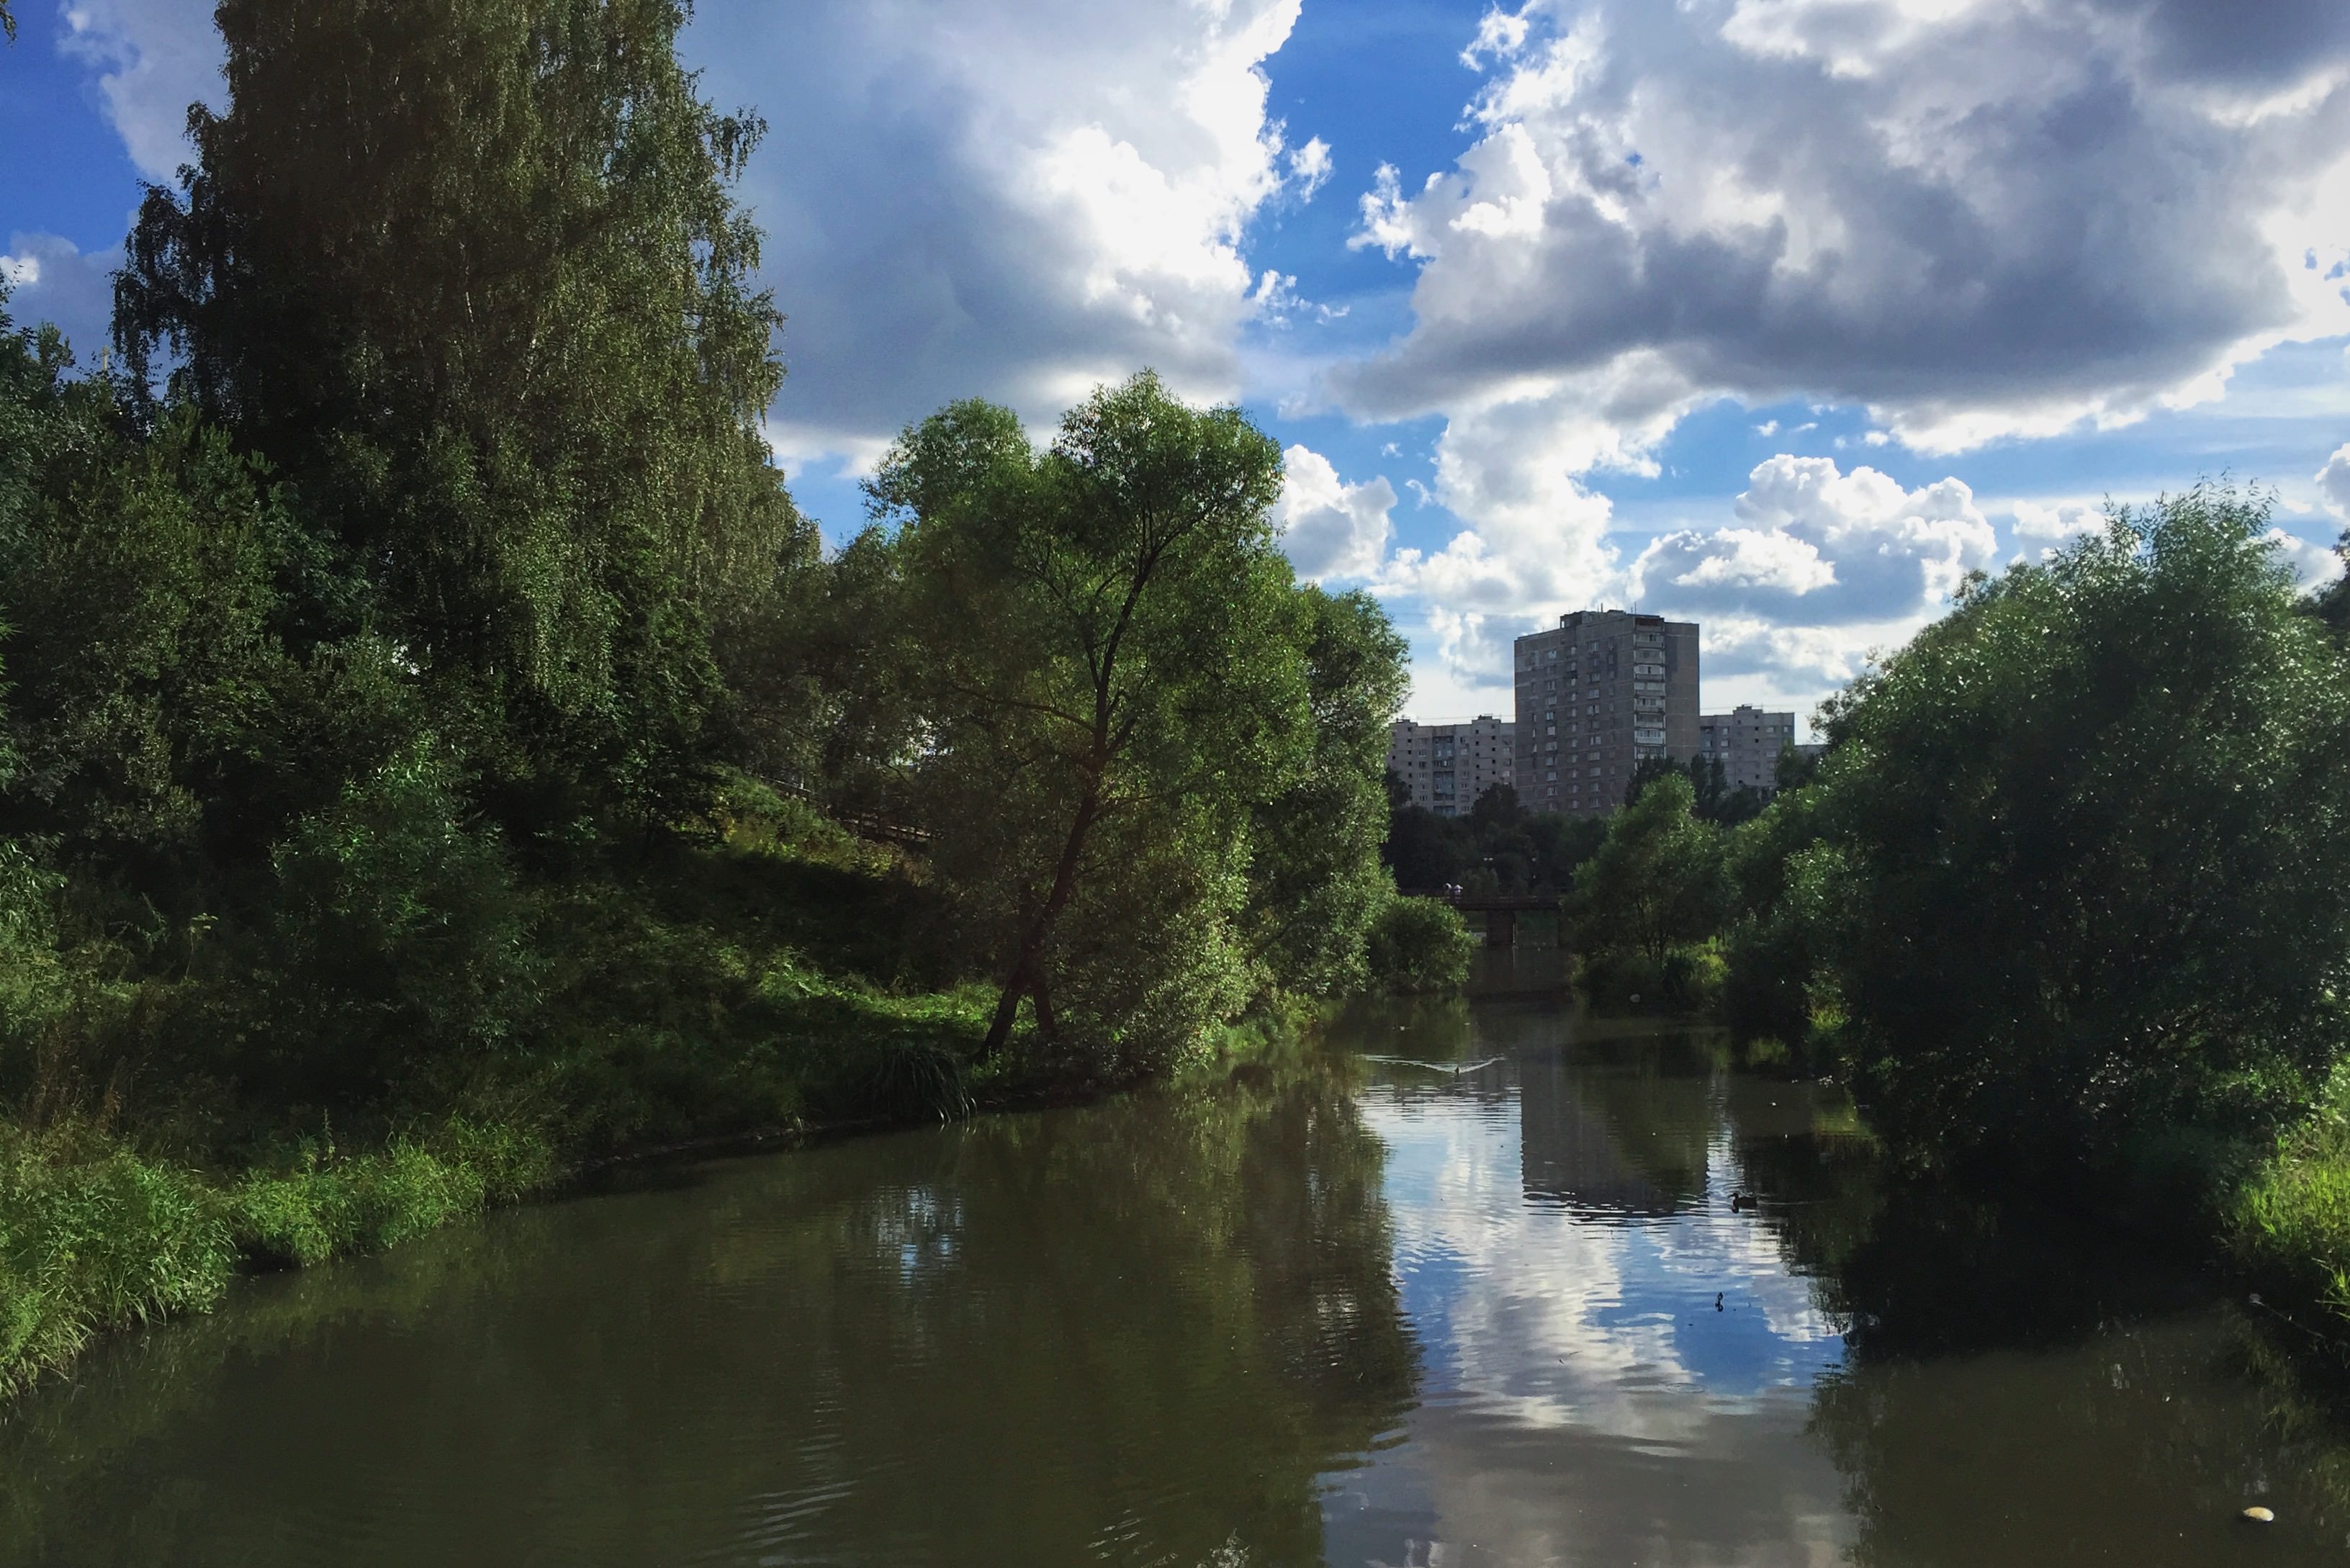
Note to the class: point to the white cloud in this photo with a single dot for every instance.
(2055, 524)
(1331, 529)
(1974, 220)
(1015, 198)
(1309, 168)
(52, 281)
(2314, 564)
(1821, 547)
(155, 58)
(2332, 481)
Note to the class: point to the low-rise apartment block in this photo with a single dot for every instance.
(1747, 741)
(1448, 766)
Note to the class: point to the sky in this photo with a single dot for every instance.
(1782, 316)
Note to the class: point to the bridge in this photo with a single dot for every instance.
(1501, 909)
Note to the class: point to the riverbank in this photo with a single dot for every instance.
(771, 980)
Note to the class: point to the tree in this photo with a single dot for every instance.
(1497, 808)
(2090, 830)
(1316, 880)
(1113, 682)
(1646, 771)
(469, 272)
(1657, 881)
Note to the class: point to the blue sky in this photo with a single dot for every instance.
(1777, 314)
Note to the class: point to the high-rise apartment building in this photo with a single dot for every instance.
(1448, 766)
(1747, 741)
(1602, 692)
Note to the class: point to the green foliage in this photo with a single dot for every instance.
(1713, 798)
(1786, 899)
(91, 1245)
(469, 272)
(397, 941)
(1658, 880)
(1419, 945)
(1140, 736)
(1315, 883)
(321, 1206)
(1498, 848)
(2289, 1222)
(2086, 835)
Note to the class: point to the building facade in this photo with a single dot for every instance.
(1448, 766)
(1597, 695)
(1747, 741)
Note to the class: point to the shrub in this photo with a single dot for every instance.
(1419, 945)
(397, 941)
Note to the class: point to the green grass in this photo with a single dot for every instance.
(2289, 1227)
(93, 1243)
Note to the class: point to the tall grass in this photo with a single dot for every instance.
(2289, 1226)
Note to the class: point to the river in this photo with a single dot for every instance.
(1462, 1283)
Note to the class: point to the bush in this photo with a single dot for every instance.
(1690, 979)
(1419, 945)
(2088, 834)
(397, 939)
(2290, 1225)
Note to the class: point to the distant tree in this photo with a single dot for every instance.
(1426, 851)
(1419, 945)
(1560, 845)
(1648, 771)
(470, 275)
(1497, 808)
(1796, 767)
(1659, 878)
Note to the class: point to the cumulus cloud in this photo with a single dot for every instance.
(2054, 524)
(1977, 219)
(2332, 481)
(1974, 219)
(1814, 545)
(50, 280)
(1821, 568)
(1018, 199)
(154, 58)
(2314, 565)
(1332, 529)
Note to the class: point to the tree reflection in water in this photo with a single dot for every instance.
(1137, 1333)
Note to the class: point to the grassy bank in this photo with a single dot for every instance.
(767, 979)
(774, 978)
(2288, 1227)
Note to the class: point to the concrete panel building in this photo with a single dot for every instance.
(1603, 692)
(1448, 766)
(1747, 740)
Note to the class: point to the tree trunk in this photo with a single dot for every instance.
(1024, 977)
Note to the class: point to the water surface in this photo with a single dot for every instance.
(1465, 1287)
